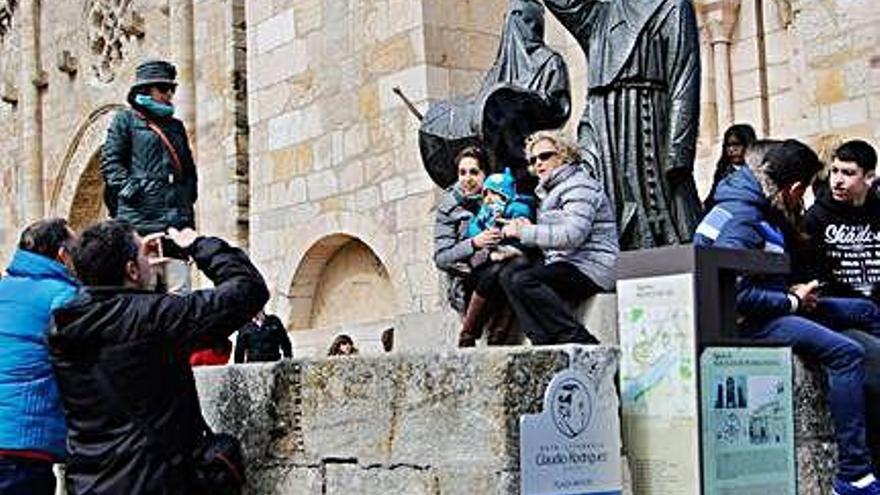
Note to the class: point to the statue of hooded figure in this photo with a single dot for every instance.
(638, 132)
(526, 90)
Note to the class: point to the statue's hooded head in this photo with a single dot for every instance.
(526, 21)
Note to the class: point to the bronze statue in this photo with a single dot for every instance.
(526, 90)
(639, 129)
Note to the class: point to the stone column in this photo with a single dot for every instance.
(183, 56)
(32, 80)
(708, 102)
(720, 19)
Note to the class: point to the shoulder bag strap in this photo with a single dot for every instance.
(175, 158)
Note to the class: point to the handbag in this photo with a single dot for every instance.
(217, 462)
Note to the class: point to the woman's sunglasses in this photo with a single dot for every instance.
(543, 157)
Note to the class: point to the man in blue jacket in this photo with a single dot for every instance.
(758, 207)
(32, 429)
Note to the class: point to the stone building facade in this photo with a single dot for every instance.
(307, 157)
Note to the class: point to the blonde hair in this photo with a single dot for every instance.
(568, 152)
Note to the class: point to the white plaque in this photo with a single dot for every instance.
(573, 446)
(659, 383)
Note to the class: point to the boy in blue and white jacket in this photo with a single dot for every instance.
(756, 207)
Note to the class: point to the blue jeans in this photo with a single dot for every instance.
(848, 313)
(26, 477)
(859, 319)
(842, 359)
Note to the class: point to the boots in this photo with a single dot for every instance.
(501, 327)
(471, 327)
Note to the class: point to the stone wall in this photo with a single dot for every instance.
(802, 69)
(438, 423)
(406, 424)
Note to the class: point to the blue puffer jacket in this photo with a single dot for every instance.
(739, 221)
(30, 406)
(514, 206)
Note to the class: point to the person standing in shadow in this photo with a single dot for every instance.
(262, 339)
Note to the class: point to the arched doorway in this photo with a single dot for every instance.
(340, 286)
(87, 206)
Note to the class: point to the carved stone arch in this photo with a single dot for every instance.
(87, 205)
(80, 164)
(340, 281)
(7, 12)
(111, 25)
(300, 279)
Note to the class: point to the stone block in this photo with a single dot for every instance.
(346, 478)
(274, 31)
(599, 315)
(283, 62)
(291, 161)
(849, 113)
(308, 15)
(412, 80)
(285, 480)
(393, 189)
(294, 127)
(351, 176)
(366, 199)
(830, 86)
(322, 184)
(391, 55)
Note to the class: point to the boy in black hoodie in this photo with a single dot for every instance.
(844, 225)
(844, 229)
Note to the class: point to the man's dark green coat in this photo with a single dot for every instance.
(143, 186)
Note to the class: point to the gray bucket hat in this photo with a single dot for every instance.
(153, 72)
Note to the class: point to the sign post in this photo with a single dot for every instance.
(748, 422)
(573, 446)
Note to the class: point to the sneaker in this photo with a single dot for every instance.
(865, 486)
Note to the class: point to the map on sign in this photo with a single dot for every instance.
(659, 350)
(659, 383)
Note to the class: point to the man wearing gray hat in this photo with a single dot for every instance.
(147, 163)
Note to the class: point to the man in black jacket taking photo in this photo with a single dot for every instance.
(120, 356)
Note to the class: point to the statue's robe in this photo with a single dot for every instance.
(639, 129)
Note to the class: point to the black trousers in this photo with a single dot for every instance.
(542, 296)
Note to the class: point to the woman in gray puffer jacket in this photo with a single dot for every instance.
(577, 235)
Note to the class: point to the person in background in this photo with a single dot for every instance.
(342, 345)
(737, 139)
(149, 173)
(759, 207)
(211, 354)
(262, 339)
(388, 339)
(32, 427)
